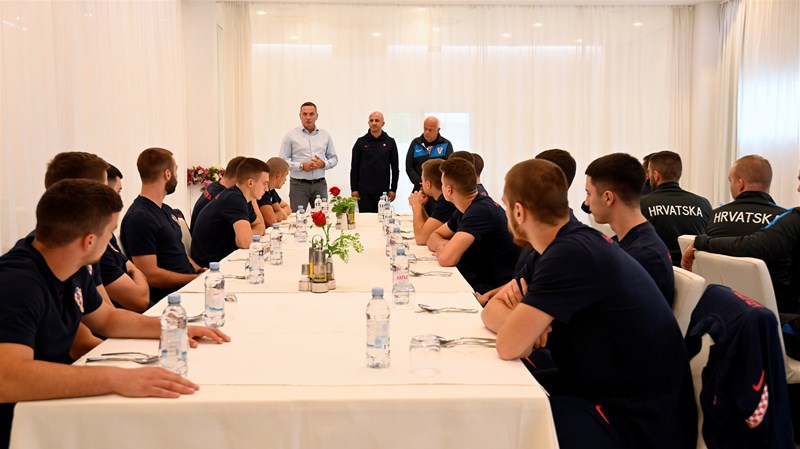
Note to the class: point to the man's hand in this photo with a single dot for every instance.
(318, 163)
(417, 198)
(355, 194)
(156, 382)
(541, 342)
(511, 294)
(688, 257)
(392, 195)
(197, 332)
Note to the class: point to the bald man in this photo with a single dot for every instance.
(374, 167)
(752, 207)
(430, 145)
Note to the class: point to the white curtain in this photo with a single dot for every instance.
(507, 81)
(97, 76)
(237, 75)
(769, 91)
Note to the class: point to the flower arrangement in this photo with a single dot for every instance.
(203, 176)
(342, 244)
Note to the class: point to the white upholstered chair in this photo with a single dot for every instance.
(684, 241)
(689, 288)
(750, 277)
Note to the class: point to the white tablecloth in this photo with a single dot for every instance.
(294, 376)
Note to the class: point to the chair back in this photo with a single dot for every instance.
(684, 241)
(750, 277)
(186, 236)
(688, 290)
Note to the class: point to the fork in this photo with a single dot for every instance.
(450, 342)
(142, 359)
(444, 274)
(234, 276)
(431, 309)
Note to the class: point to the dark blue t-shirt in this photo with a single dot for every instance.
(214, 236)
(151, 230)
(211, 192)
(442, 209)
(644, 245)
(614, 338)
(482, 190)
(270, 197)
(489, 262)
(40, 311)
(113, 263)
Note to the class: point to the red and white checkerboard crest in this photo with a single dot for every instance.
(758, 414)
(79, 298)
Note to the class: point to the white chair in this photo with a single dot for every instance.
(186, 236)
(689, 288)
(604, 228)
(750, 277)
(684, 241)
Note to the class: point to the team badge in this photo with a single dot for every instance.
(89, 269)
(439, 150)
(174, 218)
(79, 298)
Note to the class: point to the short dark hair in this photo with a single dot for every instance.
(755, 170)
(563, 159)
(620, 173)
(478, 163)
(308, 103)
(668, 164)
(432, 171)
(460, 173)
(72, 208)
(250, 168)
(113, 173)
(646, 160)
(152, 162)
(466, 155)
(75, 165)
(540, 186)
(233, 164)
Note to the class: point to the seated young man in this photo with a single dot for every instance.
(224, 225)
(475, 239)
(215, 188)
(272, 207)
(46, 291)
(425, 224)
(624, 378)
(613, 188)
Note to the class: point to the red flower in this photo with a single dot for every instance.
(318, 218)
(335, 191)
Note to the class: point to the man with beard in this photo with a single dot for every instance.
(150, 233)
(624, 378)
(46, 291)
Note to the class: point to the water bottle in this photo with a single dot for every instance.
(388, 228)
(326, 209)
(317, 204)
(215, 297)
(255, 266)
(378, 352)
(395, 240)
(174, 339)
(387, 210)
(275, 250)
(381, 204)
(301, 234)
(401, 282)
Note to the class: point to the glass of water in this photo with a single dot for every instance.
(424, 353)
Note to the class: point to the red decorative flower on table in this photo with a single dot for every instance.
(318, 218)
(335, 191)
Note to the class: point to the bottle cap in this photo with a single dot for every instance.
(213, 266)
(377, 291)
(401, 250)
(256, 238)
(301, 209)
(396, 228)
(174, 298)
(276, 226)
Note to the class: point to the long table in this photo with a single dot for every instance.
(294, 374)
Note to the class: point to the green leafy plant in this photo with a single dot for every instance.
(341, 245)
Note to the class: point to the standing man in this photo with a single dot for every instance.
(309, 151)
(374, 156)
(672, 210)
(430, 145)
(752, 207)
(150, 233)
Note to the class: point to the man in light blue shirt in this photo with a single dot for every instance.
(309, 151)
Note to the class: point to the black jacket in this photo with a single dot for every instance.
(748, 213)
(778, 245)
(373, 160)
(674, 212)
(420, 151)
(744, 396)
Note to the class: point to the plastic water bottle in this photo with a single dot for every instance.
(395, 240)
(387, 210)
(215, 297)
(378, 351)
(381, 204)
(301, 234)
(388, 228)
(325, 209)
(401, 282)
(174, 339)
(317, 204)
(275, 250)
(255, 267)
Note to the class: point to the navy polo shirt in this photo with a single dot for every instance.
(151, 230)
(113, 263)
(644, 245)
(442, 209)
(482, 190)
(270, 197)
(40, 311)
(214, 236)
(489, 262)
(614, 338)
(211, 192)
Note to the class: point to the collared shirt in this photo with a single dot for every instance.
(211, 191)
(300, 146)
(748, 213)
